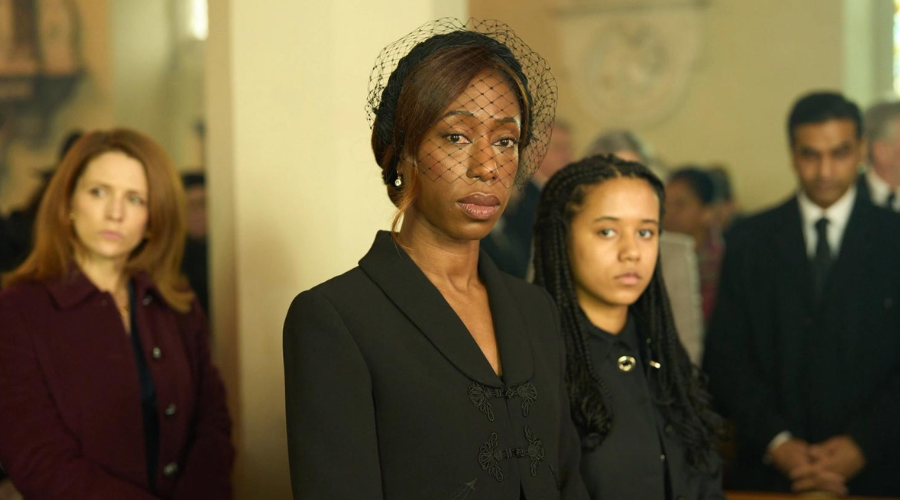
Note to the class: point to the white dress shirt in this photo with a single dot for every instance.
(880, 190)
(837, 214)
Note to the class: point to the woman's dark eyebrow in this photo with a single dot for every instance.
(616, 219)
(462, 112)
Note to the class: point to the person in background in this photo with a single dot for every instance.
(725, 207)
(19, 226)
(677, 255)
(625, 145)
(509, 243)
(803, 351)
(107, 388)
(690, 203)
(881, 182)
(646, 424)
(196, 257)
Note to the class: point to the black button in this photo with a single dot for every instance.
(669, 428)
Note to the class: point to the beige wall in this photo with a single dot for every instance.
(139, 72)
(89, 106)
(296, 196)
(755, 58)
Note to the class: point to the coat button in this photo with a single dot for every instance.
(147, 300)
(668, 428)
(662, 457)
(170, 469)
(626, 363)
(679, 497)
(170, 410)
(156, 353)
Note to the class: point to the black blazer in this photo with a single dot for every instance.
(777, 360)
(389, 397)
(642, 450)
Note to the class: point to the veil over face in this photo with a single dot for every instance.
(424, 72)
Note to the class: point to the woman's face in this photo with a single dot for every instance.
(109, 207)
(613, 243)
(468, 160)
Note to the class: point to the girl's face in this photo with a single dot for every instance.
(468, 160)
(613, 243)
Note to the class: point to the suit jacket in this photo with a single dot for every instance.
(389, 397)
(778, 360)
(71, 423)
(862, 188)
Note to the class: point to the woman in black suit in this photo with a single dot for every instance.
(426, 373)
(646, 427)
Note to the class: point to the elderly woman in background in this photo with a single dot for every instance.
(107, 389)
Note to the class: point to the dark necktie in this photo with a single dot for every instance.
(890, 200)
(822, 260)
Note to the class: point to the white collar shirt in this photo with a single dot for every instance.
(880, 190)
(837, 214)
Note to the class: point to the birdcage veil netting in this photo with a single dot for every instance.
(514, 81)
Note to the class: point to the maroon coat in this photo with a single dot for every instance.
(71, 423)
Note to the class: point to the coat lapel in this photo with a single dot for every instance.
(847, 282)
(792, 293)
(395, 273)
(793, 262)
(513, 337)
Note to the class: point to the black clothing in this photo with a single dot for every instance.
(389, 397)
(641, 457)
(509, 244)
(822, 260)
(778, 360)
(148, 397)
(196, 269)
(12, 251)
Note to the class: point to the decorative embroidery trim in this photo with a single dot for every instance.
(489, 458)
(481, 395)
(490, 454)
(535, 450)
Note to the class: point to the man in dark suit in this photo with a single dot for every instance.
(803, 352)
(881, 183)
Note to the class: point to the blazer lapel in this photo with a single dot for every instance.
(793, 261)
(395, 273)
(513, 337)
(850, 273)
(792, 290)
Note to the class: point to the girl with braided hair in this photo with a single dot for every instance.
(644, 418)
(425, 372)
